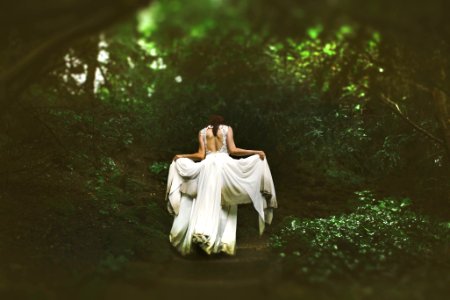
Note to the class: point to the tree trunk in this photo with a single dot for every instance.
(441, 102)
(92, 64)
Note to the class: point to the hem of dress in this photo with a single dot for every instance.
(203, 241)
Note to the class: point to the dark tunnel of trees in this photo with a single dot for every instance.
(349, 99)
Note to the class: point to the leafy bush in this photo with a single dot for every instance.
(381, 238)
(159, 169)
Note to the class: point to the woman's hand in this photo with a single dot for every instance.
(261, 154)
(177, 157)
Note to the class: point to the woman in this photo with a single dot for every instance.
(204, 196)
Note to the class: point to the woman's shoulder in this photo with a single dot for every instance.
(203, 130)
(227, 127)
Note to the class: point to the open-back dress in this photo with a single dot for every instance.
(203, 197)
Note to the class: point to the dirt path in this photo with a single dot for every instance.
(248, 274)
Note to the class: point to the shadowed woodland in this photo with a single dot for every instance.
(349, 99)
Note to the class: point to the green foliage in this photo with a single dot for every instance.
(102, 187)
(314, 32)
(281, 84)
(310, 93)
(160, 169)
(381, 238)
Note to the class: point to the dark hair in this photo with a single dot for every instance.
(215, 121)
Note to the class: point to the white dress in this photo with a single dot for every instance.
(203, 197)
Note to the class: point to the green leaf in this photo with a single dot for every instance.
(314, 32)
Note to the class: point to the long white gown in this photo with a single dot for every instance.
(203, 197)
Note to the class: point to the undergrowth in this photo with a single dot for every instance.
(381, 238)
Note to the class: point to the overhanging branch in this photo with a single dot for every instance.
(396, 109)
(35, 59)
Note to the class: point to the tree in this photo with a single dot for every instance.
(66, 22)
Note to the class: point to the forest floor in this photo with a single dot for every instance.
(56, 243)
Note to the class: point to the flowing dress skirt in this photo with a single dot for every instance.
(203, 198)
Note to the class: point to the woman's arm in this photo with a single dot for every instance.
(199, 155)
(233, 150)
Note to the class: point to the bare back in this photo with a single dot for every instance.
(215, 143)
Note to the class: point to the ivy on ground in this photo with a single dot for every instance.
(382, 237)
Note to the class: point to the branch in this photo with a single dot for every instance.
(396, 108)
(426, 89)
(38, 56)
(41, 50)
(107, 83)
(420, 86)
